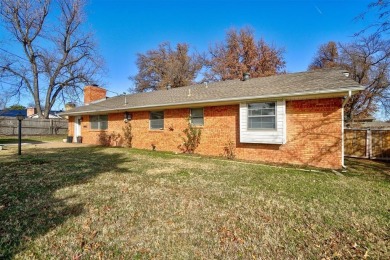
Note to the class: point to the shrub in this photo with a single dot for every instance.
(229, 150)
(127, 135)
(191, 139)
(106, 139)
(115, 137)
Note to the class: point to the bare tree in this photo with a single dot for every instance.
(56, 58)
(3, 101)
(165, 66)
(368, 61)
(381, 25)
(241, 53)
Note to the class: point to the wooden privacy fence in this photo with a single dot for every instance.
(33, 126)
(366, 143)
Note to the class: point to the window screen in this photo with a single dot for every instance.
(157, 120)
(99, 122)
(197, 116)
(262, 115)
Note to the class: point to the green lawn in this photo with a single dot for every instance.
(93, 202)
(5, 139)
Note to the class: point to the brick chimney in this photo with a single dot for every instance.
(31, 111)
(93, 93)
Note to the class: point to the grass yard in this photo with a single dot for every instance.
(93, 202)
(4, 139)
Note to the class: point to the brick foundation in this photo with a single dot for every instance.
(313, 133)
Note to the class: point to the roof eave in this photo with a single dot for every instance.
(287, 96)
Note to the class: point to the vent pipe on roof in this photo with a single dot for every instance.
(246, 76)
(205, 84)
(168, 87)
(124, 93)
(346, 73)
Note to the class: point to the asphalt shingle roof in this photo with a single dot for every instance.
(284, 85)
(13, 113)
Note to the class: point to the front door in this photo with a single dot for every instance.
(77, 128)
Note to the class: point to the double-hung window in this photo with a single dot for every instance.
(99, 122)
(197, 117)
(262, 115)
(157, 120)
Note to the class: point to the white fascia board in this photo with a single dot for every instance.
(285, 96)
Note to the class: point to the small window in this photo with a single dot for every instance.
(99, 122)
(262, 115)
(197, 116)
(157, 120)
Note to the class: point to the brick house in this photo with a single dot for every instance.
(291, 118)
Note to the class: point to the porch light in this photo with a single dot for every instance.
(127, 117)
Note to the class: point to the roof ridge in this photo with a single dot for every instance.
(320, 81)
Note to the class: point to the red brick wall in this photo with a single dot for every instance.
(92, 93)
(313, 133)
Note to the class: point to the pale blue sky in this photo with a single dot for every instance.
(124, 28)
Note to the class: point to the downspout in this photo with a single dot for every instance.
(346, 99)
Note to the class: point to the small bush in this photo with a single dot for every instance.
(115, 137)
(191, 140)
(229, 150)
(127, 135)
(106, 139)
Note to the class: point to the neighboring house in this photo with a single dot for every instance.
(29, 113)
(13, 113)
(53, 114)
(290, 118)
(376, 125)
(368, 123)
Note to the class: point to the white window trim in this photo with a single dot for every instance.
(264, 136)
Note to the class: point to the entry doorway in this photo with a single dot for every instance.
(77, 128)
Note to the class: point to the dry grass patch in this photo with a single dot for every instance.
(127, 203)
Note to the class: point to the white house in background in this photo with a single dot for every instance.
(32, 113)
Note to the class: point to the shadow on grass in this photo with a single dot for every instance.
(12, 140)
(368, 167)
(28, 205)
(34, 139)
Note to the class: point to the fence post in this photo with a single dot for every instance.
(369, 144)
(51, 126)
